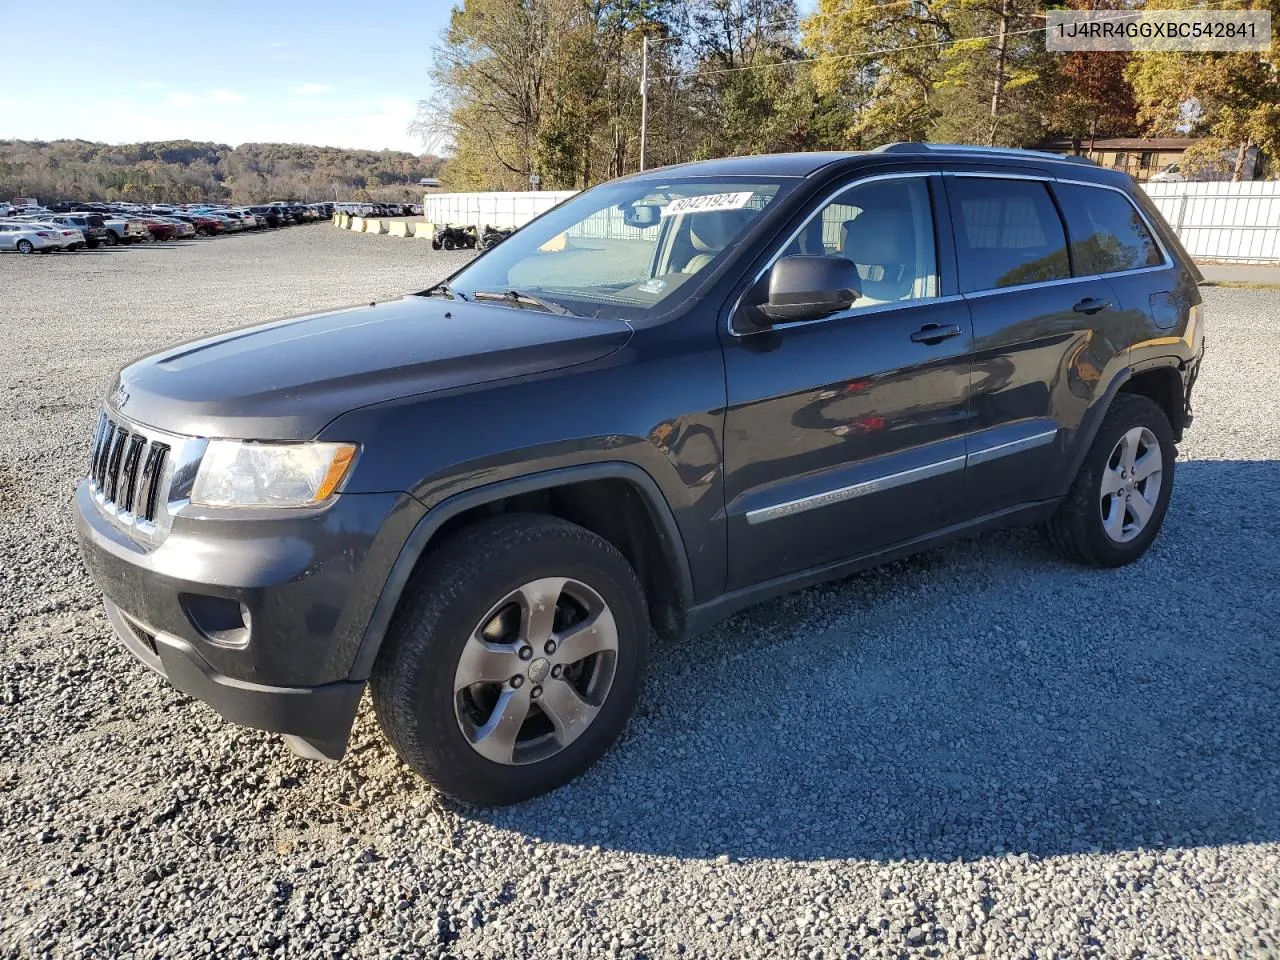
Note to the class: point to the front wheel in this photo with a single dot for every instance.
(1120, 496)
(26, 246)
(111, 239)
(514, 660)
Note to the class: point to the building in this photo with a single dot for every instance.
(1140, 157)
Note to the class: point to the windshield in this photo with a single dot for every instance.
(622, 249)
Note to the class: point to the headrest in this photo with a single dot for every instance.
(711, 232)
(878, 236)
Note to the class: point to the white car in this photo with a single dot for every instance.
(27, 238)
(67, 238)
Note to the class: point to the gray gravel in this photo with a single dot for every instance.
(981, 751)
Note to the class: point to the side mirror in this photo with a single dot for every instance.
(810, 288)
(640, 214)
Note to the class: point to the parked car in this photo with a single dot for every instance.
(786, 369)
(90, 225)
(160, 229)
(203, 224)
(123, 229)
(67, 238)
(454, 237)
(267, 214)
(26, 237)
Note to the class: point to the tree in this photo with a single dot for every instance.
(1231, 99)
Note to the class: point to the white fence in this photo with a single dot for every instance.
(1239, 222)
(491, 209)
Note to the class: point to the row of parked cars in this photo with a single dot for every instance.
(78, 226)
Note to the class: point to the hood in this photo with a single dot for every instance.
(287, 379)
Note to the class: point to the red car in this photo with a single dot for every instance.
(205, 226)
(160, 229)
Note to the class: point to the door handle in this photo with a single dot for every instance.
(1090, 305)
(932, 333)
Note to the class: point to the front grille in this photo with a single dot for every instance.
(126, 468)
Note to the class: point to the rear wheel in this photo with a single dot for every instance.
(110, 239)
(514, 660)
(25, 246)
(1119, 499)
(448, 243)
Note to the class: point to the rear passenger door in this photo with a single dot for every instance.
(1042, 337)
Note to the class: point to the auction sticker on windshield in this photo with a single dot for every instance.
(706, 203)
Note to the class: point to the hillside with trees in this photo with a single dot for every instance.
(552, 87)
(189, 171)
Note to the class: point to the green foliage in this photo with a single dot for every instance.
(188, 171)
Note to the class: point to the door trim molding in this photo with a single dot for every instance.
(840, 494)
(986, 454)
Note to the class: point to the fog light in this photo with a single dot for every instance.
(219, 620)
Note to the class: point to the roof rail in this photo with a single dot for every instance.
(917, 148)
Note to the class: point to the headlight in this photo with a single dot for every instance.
(237, 473)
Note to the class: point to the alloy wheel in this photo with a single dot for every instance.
(535, 671)
(1131, 484)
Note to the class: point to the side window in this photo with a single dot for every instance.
(1107, 233)
(886, 228)
(1007, 233)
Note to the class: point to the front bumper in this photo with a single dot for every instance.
(304, 582)
(320, 717)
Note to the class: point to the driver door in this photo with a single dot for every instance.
(844, 435)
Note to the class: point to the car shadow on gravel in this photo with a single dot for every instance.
(978, 700)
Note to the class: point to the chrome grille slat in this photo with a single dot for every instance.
(113, 463)
(129, 471)
(151, 474)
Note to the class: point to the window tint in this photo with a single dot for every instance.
(1007, 232)
(886, 228)
(1107, 233)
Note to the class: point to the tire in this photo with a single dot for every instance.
(448, 243)
(91, 244)
(26, 246)
(482, 577)
(1079, 530)
(111, 239)
(436, 244)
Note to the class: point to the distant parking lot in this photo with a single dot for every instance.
(980, 750)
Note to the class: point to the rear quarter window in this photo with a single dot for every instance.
(1107, 233)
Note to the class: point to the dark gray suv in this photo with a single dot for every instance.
(671, 396)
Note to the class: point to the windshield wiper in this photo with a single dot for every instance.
(520, 299)
(442, 288)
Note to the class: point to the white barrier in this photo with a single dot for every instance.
(1239, 222)
(491, 209)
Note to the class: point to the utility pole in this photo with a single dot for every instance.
(644, 97)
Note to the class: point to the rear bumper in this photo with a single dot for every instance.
(321, 716)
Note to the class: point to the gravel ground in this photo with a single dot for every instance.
(978, 751)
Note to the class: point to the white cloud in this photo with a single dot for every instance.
(185, 99)
(311, 89)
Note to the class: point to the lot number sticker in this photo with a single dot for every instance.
(707, 203)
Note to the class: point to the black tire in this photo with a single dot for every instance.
(1077, 530)
(436, 244)
(448, 243)
(449, 595)
(111, 239)
(26, 246)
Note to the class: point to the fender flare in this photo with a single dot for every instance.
(421, 536)
(1091, 423)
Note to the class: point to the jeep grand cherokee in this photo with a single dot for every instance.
(669, 397)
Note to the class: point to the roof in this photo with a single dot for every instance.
(1122, 143)
(806, 164)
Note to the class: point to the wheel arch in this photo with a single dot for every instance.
(578, 494)
(1158, 379)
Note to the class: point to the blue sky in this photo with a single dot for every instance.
(323, 72)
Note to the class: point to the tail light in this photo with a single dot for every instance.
(44, 233)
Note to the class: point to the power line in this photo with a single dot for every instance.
(869, 53)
